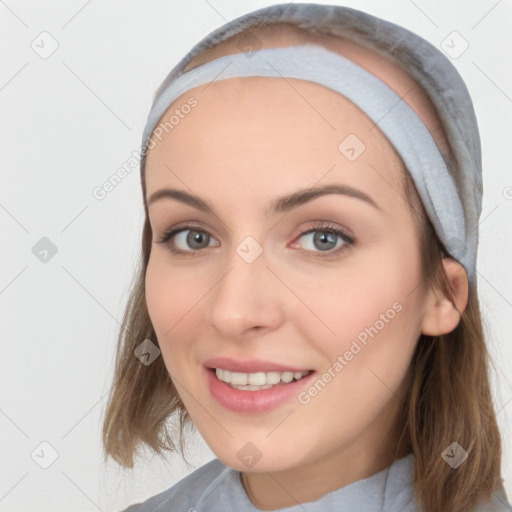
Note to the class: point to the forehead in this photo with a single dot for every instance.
(267, 136)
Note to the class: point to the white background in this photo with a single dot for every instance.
(68, 122)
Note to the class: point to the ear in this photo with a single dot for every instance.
(441, 316)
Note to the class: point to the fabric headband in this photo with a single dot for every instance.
(399, 123)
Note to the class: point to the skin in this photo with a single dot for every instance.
(247, 142)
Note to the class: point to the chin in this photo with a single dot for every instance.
(248, 457)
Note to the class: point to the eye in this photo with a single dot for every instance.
(325, 240)
(187, 239)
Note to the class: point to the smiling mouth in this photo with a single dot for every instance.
(258, 380)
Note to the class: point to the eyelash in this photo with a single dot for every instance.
(323, 228)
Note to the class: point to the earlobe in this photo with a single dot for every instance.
(441, 316)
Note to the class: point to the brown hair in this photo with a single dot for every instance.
(448, 397)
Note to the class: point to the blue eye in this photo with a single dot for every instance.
(326, 240)
(196, 239)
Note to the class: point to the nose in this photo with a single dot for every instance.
(246, 300)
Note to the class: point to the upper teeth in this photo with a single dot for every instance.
(258, 378)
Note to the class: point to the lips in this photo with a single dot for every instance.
(254, 401)
(250, 366)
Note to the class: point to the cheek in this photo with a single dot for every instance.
(340, 305)
(365, 362)
(173, 300)
(366, 315)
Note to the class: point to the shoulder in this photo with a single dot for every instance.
(185, 493)
(400, 492)
(496, 503)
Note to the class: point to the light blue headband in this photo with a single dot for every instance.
(399, 123)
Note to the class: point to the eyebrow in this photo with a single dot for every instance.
(281, 204)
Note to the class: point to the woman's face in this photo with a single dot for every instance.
(271, 287)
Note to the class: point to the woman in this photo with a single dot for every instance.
(312, 186)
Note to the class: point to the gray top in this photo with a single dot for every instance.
(215, 487)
